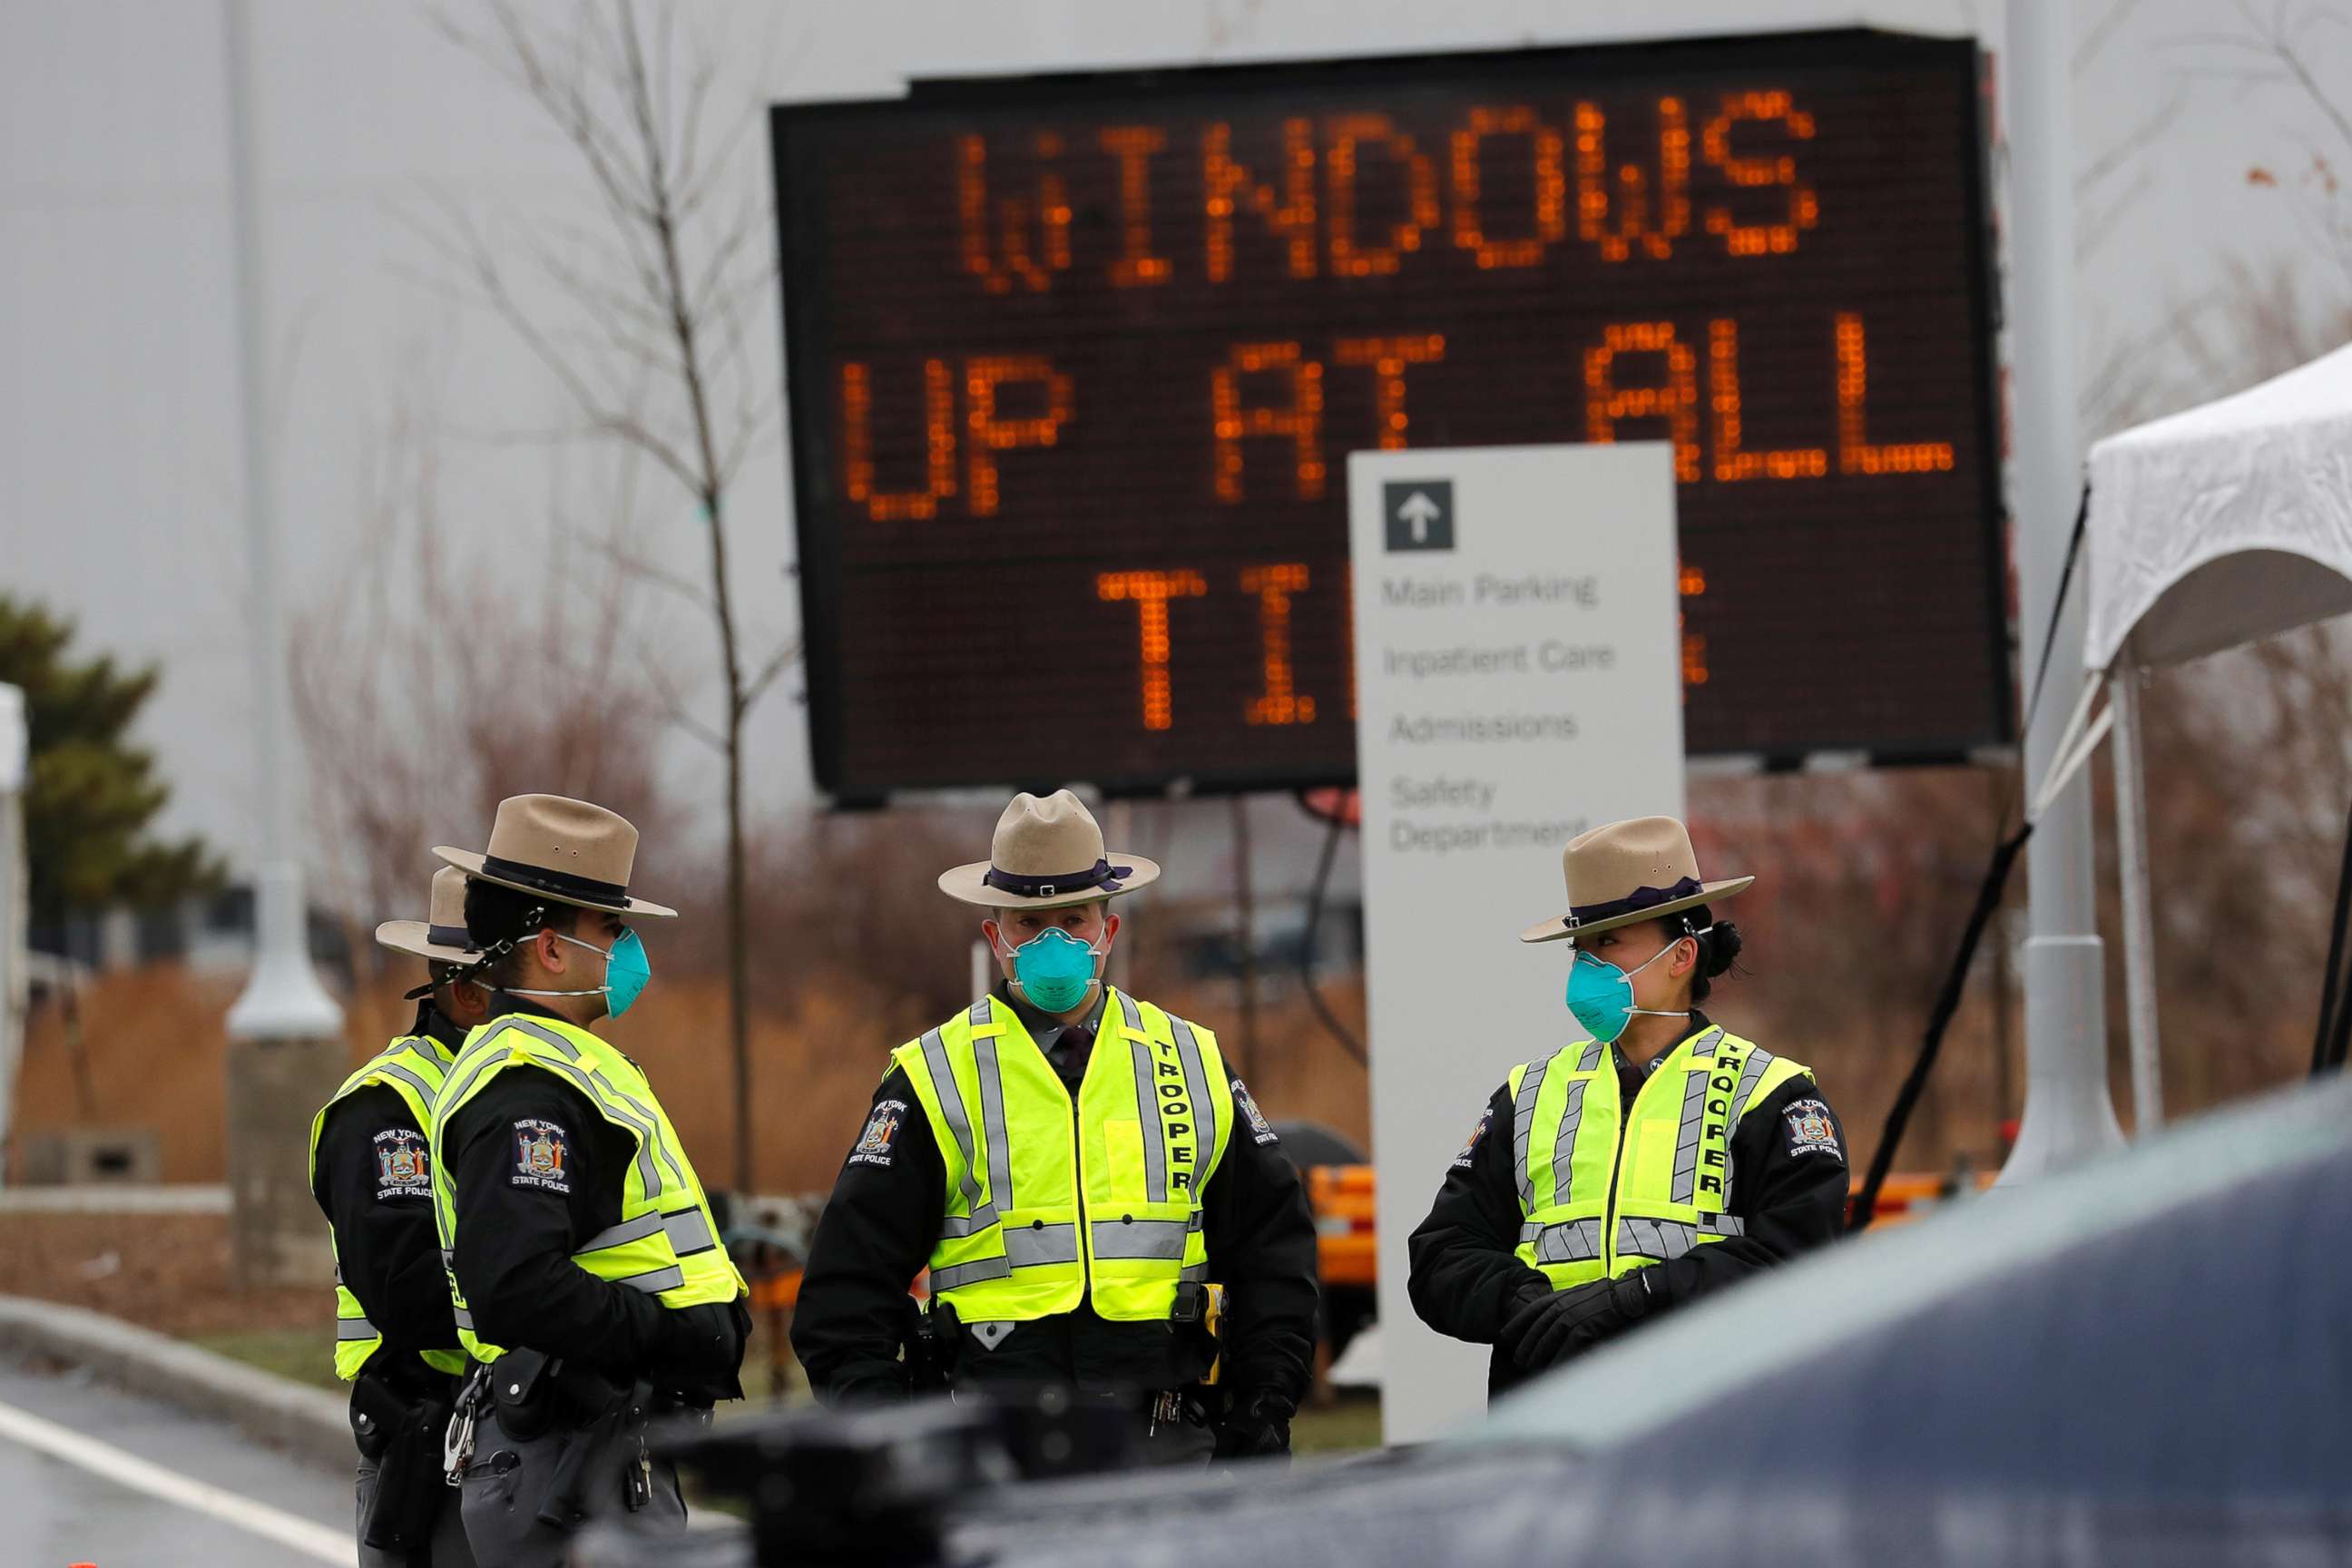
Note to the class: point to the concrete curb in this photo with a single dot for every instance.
(310, 1424)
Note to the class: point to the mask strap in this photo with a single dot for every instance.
(1653, 1012)
(603, 990)
(1010, 951)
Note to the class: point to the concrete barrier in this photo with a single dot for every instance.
(310, 1424)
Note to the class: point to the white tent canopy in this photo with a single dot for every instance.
(2211, 528)
(2224, 523)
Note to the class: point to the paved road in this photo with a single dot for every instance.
(164, 1489)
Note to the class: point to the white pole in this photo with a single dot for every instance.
(2069, 1114)
(282, 997)
(14, 759)
(2139, 920)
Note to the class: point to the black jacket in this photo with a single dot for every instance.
(518, 1228)
(1466, 1281)
(384, 1241)
(878, 1232)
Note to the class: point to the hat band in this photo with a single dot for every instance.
(448, 936)
(1638, 899)
(562, 884)
(1103, 874)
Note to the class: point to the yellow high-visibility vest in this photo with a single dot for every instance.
(665, 1242)
(1596, 1205)
(410, 1067)
(1050, 1202)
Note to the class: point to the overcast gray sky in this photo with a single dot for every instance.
(120, 492)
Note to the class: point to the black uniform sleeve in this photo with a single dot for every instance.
(875, 1234)
(1261, 1244)
(384, 1239)
(1467, 1278)
(521, 1228)
(1789, 1187)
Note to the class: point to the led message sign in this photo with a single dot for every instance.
(1074, 364)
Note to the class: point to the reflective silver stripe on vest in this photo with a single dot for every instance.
(951, 1098)
(1523, 1117)
(1750, 1076)
(1570, 1241)
(1196, 1090)
(960, 1274)
(455, 1089)
(689, 1233)
(1592, 1055)
(652, 1282)
(1693, 1121)
(957, 1227)
(1757, 1060)
(1029, 1246)
(462, 1318)
(648, 1140)
(1661, 1239)
(991, 1115)
(1563, 1151)
(423, 1088)
(1667, 1239)
(1125, 1238)
(1706, 1042)
(1194, 1274)
(653, 1124)
(1147, 1104)
(636, 1229)
(541, 1032)
(355, 1329)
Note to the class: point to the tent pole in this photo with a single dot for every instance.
(2139, 923)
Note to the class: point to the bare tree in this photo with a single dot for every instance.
(425, 694)
(641, 318)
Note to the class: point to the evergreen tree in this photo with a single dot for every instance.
(89, 794)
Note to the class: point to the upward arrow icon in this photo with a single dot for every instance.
(1420, 511)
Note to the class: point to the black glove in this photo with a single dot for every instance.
(1257, 1426)
(1546, 1332)
(702, 1349)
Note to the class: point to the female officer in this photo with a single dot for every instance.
(1656, 1158)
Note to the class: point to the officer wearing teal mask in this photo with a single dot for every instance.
(1058, 1156)
(1654, 1158)
(544, 1136)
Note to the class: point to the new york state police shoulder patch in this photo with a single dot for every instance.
(878, 1143)
(1467, 1158)
(1812, 1129)
(540, 1150)
(403, 1165)
(1259, 1130)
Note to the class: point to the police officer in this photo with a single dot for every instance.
(1657, 1158)
(585, 1265)
(394, 1340)
(1075, 1167)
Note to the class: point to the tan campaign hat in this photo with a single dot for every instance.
(441, 934)
(1628, 871)
(1046, 854)
(570, 851)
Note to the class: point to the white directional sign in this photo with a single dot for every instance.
(1518, 680)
